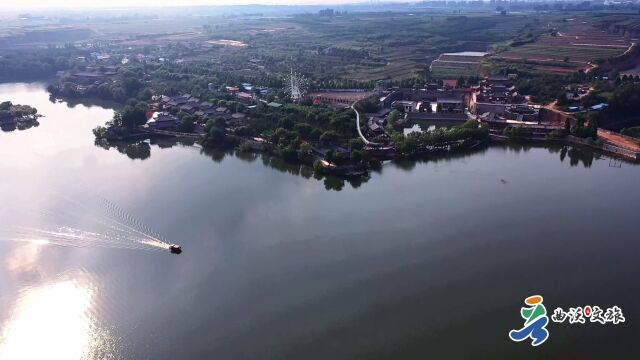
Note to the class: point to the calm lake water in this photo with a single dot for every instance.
(426, 260)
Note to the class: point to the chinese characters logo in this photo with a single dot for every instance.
(579, 315)
(536, 320)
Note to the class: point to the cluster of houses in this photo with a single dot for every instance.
(433, 103)
(496, 99)
(494, 94)
(575, 93)
(431, 99)
(87, 81)
(596, 107)
(94, 76)
(339, 97)
(203, 110)
(247, 93)
(94, 56)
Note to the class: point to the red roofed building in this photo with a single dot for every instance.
(244, 97)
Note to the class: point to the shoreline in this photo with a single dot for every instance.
(347, 173)
(606, 149)
(376, 154)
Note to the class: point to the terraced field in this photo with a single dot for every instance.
(457, 64)
(576, 45)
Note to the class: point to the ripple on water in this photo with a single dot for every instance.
(58, 319)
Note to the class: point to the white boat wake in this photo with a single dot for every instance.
(74, 224)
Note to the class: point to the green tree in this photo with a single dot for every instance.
(289, 154)
(356, 156)
(216, 136)
(328, 137)
(303, 129)
(305, 147)
(394, 115)
(356, 144)
(315, 134)
(6, 105)
(187, 124)
(561, 99)
(133, 116)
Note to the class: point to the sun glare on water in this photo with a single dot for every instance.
(40, 241)
(51, 322)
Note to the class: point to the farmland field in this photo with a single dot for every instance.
(576, 44)
(355, 49)
(363, 47)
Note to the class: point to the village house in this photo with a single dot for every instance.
(437, 116)
(234, 119)
(163, 121)
(494, 95)
(376, 125)
(498, 79)
(344, 97)
(323, 150)
(449, 83)
(244, 97)
(524, 113)
(458, 97)
(88, 78)
(406, 105)
(189, 107)
(177, 101)
(205, 105)
(451, 104)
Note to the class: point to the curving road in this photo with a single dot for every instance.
(367, 142)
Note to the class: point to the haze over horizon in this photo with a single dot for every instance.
(39, 4)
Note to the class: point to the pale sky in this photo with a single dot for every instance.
(47, 4)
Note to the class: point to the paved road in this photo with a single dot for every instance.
(358, 127)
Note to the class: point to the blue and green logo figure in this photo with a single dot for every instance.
(536, 320)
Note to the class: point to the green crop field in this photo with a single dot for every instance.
(573, 52)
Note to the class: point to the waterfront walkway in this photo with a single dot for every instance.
(619, 140)
(171, 133)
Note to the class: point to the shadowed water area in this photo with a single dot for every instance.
(428, 259)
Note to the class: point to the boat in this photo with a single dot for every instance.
(175, 249)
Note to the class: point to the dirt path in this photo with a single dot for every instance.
(618, 140)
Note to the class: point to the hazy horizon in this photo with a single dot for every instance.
(57, 4)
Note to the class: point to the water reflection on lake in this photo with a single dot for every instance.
(427, 259)
(428, 125)
(55, 320)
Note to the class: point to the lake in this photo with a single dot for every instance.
(428, 259)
